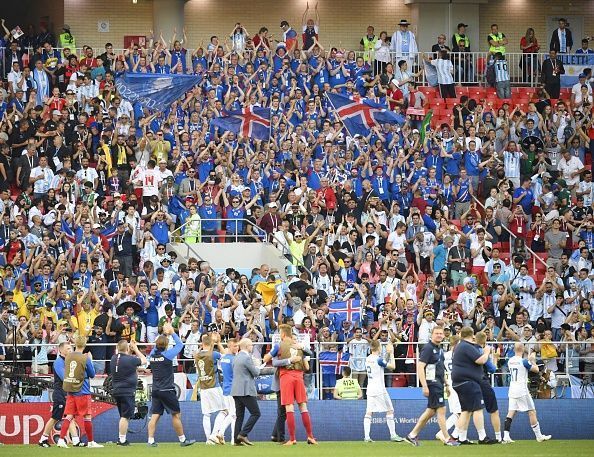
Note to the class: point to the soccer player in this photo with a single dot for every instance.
(453, 400)
(378, 400)
(59, 399)
(489, 397)
(123, 367)
(519, 396)
(163, 397)
(467, 372)
(78, 370)
(431, 373)
(292, 387)
(211, 394)
(227, 370)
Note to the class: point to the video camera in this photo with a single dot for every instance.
(105, 394)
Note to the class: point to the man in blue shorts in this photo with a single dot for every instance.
(163, 395)
(431, 373)
(467, 372)
(488, 392)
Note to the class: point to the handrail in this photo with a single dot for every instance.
(534, 255)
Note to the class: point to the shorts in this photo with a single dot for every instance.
(58, 404)
(436, 396)
(379, 403)
(126, 405)
(77, 405)
(229, 404)
(454, 402)
(164, 400)
(470, 396)
(489, 397)
(211, 400)
(292, 387)
(521, 404)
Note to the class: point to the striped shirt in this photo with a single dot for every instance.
(501, 73)
(511, 163)
(445, 71)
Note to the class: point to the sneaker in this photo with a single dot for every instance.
(80, 444)
(61, 443)
(440, 436)
(507, 441)
(212, 440)
(542, 438)
(396, 439)
(368, 440)
(410, 440)
(221, 439)
(452, 442)
(93, 445)
(290, 443)
(44, 443)
(125, 443)
(187, 442)
(153, 444)
(311, 440)
(466, 442)
(488, 440)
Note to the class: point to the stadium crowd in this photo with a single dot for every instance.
(483, 219)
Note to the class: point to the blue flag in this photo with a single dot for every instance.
(109, 231)
(175, 206)
(248, 122)
(68, 231)
(333, 362)
(154, 91)
(349, 310)
(360, 114)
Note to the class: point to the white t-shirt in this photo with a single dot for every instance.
(375, 375)
(518, 370)
(151, 179)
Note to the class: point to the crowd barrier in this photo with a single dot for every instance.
(332, 421)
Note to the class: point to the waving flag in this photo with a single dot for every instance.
(68, 231)
(109, 231)
(251, 123)
(360, 115)
(333, 362)
(154, 91)
(349, 310)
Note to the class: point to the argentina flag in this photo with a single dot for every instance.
(154, 91)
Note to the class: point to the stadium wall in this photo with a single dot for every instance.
(23, 423)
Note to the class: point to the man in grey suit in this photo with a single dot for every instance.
(243, 390)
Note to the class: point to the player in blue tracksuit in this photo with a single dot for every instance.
(226, 365)
(163, 395)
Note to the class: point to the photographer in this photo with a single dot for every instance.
(124, 381)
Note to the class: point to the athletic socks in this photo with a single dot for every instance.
(122, 438)
(482, 434)
(507, 424)
(219, 421)
(181, 438)
(88, 429)
(64, 429)
(206, 425)
(498, 436)
(455, 433)
(391, 425)
(151, 439)
(536, 430)
(43, 438)
(367, 427)
(462, 435)
(307, 423)
(291, 424)
(451, 421)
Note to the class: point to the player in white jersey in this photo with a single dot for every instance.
(378, 399)
(453, 400)
(519, 395)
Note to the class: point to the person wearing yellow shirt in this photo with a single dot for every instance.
(104, 153)
(160, 148)
(347, 388)
(85, 316)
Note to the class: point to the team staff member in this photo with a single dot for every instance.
(59, 399)
(123, 367)
(431, 373)
(488, 393)
(467, 372)
(347, 388)
(519, 395)
(78, 370)
(163, 396)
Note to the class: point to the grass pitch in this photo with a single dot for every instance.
(561, 448)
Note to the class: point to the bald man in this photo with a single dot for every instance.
(244, 391)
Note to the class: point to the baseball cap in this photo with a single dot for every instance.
(273, 205)
(96, 226)
(56, 112)
(461, 24)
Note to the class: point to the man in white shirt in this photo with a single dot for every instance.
(14, 77)
(41, 178)
(570, 168)
(87, 173)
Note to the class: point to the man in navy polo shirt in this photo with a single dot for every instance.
(124, 380)
(467, 372)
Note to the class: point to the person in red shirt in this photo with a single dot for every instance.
(326, 195)
(261, 37)
(529, 46)
(55, 102)
(89, 60)
(517, 222)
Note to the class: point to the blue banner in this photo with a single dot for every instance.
(574, 64)
(154, 91)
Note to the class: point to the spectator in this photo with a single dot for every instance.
(561, 39)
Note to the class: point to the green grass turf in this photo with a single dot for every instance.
(328, 449)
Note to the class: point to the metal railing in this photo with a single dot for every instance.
(469, 67)
(404, 374)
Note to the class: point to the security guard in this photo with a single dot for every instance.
(67, 39)
(461, 35)
(368, 44)
(347, 388)
(497, 41)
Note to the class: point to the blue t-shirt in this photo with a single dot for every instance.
(227, 369)
(162, 367)
(123, 372)
(433, 355)
(464, 367)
